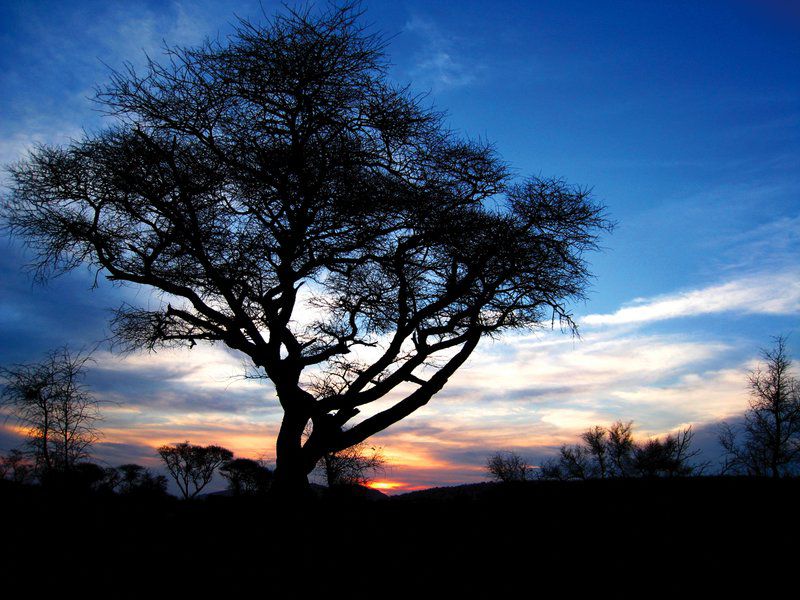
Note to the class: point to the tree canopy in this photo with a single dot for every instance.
(285, 198)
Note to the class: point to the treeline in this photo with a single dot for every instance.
(604, 453)
(613, 452)
(192, 467)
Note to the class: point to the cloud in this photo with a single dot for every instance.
(437, 64)
(773, 245)
(771, 294)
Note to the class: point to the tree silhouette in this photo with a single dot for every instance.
(620, 447)
(771, 432)
(15, 467)
(246, 477)
(288, 201)
(133, 479)
(613, 452)
(50, 400)
(670, 456)
(507, 467)
(352, 466)
(192, 466)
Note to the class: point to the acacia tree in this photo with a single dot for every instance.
(192, 466)
(287, 200)
(769, 441)
(53, 404)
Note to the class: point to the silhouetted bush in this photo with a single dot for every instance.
(135, 480)
(246, 477)
(613, 452)
(508, 466)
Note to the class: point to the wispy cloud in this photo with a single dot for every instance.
(773, 245)
(438, 64)
(768, 293)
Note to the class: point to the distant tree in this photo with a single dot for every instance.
(111, 479)
(87, 476)
(280, 159)
(352, 466)
(671, 456)
(597, 446)
(15, 467)
(191, 466)
(575, 462)
(246, 477)
(133, 479)
(613, 452)
(620, 448)
(127, 477)
(508, 466)
(50, 400)
(768, 444)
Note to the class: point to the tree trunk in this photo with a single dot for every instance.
(291, 468)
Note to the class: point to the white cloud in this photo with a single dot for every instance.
(773, 294)
(437, 65)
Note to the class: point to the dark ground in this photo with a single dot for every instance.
(634, 538)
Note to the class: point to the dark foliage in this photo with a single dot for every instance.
(133, 479)
(16, 467)
(246, 477)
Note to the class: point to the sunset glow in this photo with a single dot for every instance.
(395, 487)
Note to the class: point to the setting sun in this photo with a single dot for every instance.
(386, 485)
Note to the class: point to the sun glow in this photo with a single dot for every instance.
(386, 485)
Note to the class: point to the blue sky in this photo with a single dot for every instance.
(684, 118)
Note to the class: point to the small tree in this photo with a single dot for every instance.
(50, 400)
(15, 467)
(508, 466)
(246, 477)
(597, 446)
(769, 442)
(191, 466)
(620, 447)
(352, 466)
